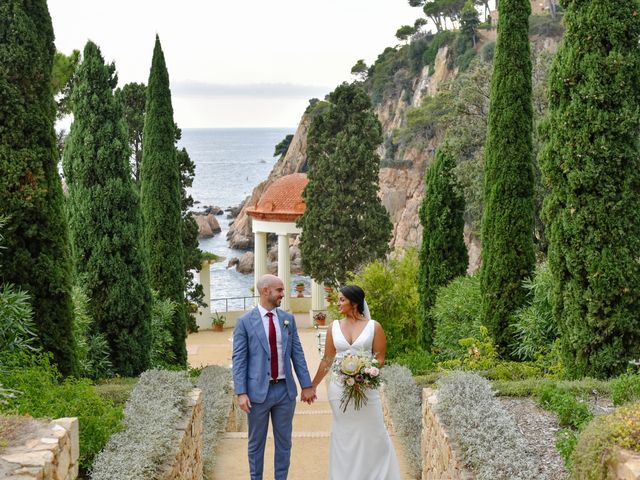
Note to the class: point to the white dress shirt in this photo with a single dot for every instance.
(265, 324)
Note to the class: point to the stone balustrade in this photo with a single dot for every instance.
(440, 459)
(50, 453)
(187, 464)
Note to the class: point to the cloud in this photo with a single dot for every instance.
(190, 88)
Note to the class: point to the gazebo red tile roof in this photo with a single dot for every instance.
(282, 201)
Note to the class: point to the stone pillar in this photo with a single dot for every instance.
(204, 313)
(318, 303)
(284, 270)
(259, 259)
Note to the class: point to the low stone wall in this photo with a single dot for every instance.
(440, 460)
(51, 453)
(626, 466)
(187, 463)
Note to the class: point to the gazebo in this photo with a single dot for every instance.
(276, 212)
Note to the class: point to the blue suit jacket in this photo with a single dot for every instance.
(251, 356)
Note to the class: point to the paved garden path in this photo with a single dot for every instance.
(311, 423)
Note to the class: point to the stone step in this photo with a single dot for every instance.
(309, 459)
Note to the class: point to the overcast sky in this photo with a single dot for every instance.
(235, 63)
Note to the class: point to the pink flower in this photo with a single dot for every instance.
(350, 381)
(374, 372)
(359, 378)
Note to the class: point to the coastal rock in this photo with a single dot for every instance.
(233, 262)
(245, 265)
(208, 224)
(295, 161)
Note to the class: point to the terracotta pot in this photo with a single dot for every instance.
(218, 328)
(300, 290)
(321, 322)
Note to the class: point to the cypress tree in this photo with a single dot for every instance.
(160, 191)
(591, 162)
(443, 254)
(508, 255)
(104, 217)
(37, 258)
(344, 224)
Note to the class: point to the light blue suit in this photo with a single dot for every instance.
(251, 375)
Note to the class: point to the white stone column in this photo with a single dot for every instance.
(317, 297)
(204, 313)
(284, 269)
(259, 258)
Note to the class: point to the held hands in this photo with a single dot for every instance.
(308, 395)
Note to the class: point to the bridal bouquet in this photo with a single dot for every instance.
(356, 373)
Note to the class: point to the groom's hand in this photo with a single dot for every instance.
(244, 403)
(308, 395)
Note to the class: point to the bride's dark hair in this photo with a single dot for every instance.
(354, 294)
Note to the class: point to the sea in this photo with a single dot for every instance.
(230, 163)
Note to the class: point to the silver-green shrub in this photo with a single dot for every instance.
(405, 406)
(151, 414)
(215, 383)
(485, 432)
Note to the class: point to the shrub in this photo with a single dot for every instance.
(625, 388)
(487, 50)
(215, 383)
(43, 394)
(153, 410)
(570, 411)
(116, 390)
(440, 39)
(17, 329)
(162, 311)
(534, 328)
(392, 296)
(595, 448)
(92, 349)
(514, 371)
(486, 434)
(417, 361)
(456, 313)
(405, 406)
(480, 353)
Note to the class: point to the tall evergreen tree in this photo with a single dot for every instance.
(591, 162)
(37, 258)
(133, 97)
(344, 224)
(443, 255)
(161, 198)
(508, 255)
(105, 221)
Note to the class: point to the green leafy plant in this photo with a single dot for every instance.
(217, 319)
(456, 312)
(17, 328)
(162, 311)
(625, 388)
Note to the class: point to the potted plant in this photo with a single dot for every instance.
(300, 289)
(320, 319)
(217, 321)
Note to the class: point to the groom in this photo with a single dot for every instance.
(265, 345)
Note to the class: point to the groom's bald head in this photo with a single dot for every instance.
(271, 291)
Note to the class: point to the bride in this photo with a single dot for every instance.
(360, 445)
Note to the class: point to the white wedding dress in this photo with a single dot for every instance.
(360, 445)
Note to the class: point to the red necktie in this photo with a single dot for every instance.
(272, 345)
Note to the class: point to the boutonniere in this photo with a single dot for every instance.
(286, 324)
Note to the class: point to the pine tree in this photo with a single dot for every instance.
(37, 257)
(591, 162)
(507, 225)
(344, 224)
(443, 255)
(469, 21)
(161, 198)
(105, 221)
